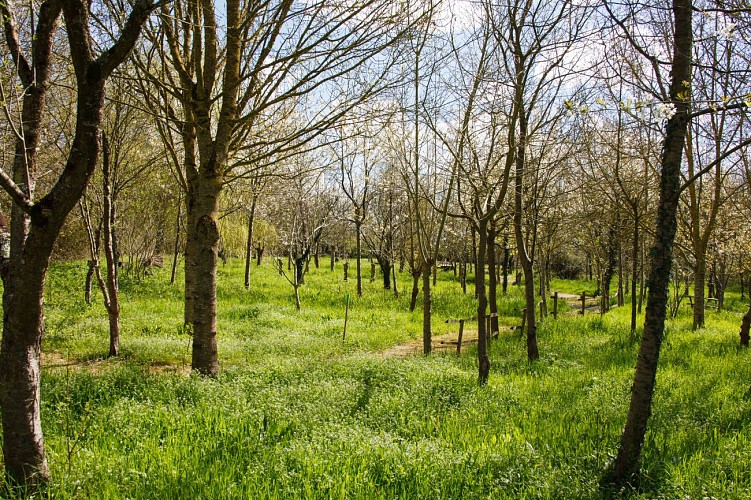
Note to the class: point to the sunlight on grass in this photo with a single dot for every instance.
(299, 413)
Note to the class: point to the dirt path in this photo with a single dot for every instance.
(441, 343)
(56, 360)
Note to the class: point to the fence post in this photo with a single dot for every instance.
(555, 305)
(584, 300)
(461, 334)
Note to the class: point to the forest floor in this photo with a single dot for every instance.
(298, 412)
(444, 343)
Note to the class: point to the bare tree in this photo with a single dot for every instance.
(273, 57)
(536, 42)
(302, 220)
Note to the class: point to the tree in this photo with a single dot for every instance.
(626, 465)
(354, 153)
(382, 233)
(535, 42)
(37, 220)
(271, 57)
(708, 138)
(481, 181)
(302, 219)
(422, 185)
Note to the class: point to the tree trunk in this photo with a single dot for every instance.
(173, 274)
(109, 216)
(609, 271)
(643, 280)
(88, 282)
(700, 273)
(427, 334)
(543, 285)
(492, 281)
(300, 269)
(524, 259)
(385, 264)
(463, 276)
(23, 298)
(474, 255)
(333, 259)
(415, 289)
(259, 254)
(249, 245)
(504, 271)
(482, 303)
(743, 285)
(626, 465)
(203, 253)
(745, 327)
(634, 268)
(190, 259)
(393, 278)
(620, 275)
(358, 239)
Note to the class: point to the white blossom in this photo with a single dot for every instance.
(727, 31)
(665, 110)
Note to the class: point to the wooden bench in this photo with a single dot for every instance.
(710, 302)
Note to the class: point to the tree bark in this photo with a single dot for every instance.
(249, 246)
(358, 238)
(110, 289)
(504, 264)
(482, 303)
(203, 253)
(634, 267)
(88, 282)
(415, 289)
(745, 327)
(626, 465)
(524, 259)
(23, 299)
(385, 264)
(609, 271)
(393, 278)
(492, 281)
(427, 302)
(700, 274)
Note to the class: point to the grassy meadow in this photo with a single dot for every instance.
(299, 413)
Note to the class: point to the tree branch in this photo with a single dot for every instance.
(116, 54)
(713, 164)
(18, 196)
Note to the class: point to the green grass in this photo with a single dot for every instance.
(298, 413)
